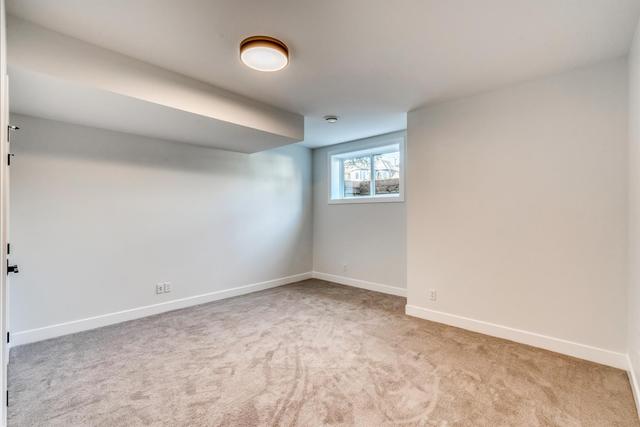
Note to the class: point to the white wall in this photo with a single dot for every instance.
(634, 211)
(368, 237)
(517, 209)
(100, 217)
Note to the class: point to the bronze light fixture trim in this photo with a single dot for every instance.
(264, 53)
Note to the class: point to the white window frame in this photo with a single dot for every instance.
(365, 147)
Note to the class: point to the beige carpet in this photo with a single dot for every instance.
(306, 354)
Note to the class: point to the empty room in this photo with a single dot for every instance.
(320, 213)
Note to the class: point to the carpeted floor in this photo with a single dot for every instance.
(306, 354)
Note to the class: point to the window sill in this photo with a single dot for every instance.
(378, 199)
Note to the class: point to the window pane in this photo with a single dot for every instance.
(357, 176)
(387, 173)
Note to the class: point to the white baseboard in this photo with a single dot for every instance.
(363, 284)
(52, 331)
(570, 348)
(635, 387)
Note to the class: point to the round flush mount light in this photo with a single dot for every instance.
(331, 119)
(264, 53)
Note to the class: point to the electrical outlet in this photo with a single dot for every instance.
(160, 288)
(433, 295)
(167, 287)
(345, 268)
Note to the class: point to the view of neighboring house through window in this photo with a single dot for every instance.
(357, 176)
(387, 170)
(367, 174)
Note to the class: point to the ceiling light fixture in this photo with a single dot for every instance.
(264, 53)
(331, 119)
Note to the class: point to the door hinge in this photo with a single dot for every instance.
(7, 397)
(9, 129)
(9, 156)
(8, 337)
(8, 248)
(12, 268)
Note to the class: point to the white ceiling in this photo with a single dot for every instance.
(368, 61)
(105, 89)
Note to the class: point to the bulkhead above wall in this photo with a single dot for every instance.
(61, 78)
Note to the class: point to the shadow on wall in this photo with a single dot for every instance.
(101, 145)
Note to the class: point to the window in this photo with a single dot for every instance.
(370, 171)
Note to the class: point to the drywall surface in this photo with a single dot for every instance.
(634, 212)
(103, 86)
(100, 217)
(362, 241)
(517, 207)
